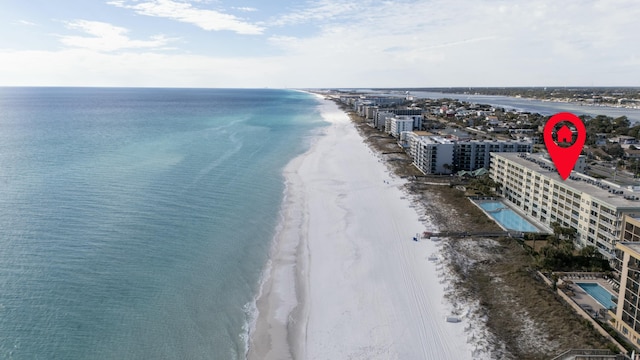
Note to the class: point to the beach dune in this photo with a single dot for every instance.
(345, 279)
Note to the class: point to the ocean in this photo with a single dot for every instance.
(135, 223)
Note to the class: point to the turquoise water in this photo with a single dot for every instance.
(599, 293)
(506, 217)
(134, 223)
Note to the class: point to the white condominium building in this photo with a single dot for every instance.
(380, 119)
(431, 154)
(475, 154)
(595, 208)
(398, 125)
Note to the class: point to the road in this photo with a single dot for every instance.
(610, 173)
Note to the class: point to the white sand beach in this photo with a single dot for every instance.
(346, 280)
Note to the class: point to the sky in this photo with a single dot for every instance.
(319, 43)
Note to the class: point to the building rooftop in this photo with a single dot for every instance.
(453, 131)
(605, 191)
(498, 141)
(435, 140)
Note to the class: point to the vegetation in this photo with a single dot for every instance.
(602, 124)
(559, 254)
(505, 286)
(616, 336)
(482, 185)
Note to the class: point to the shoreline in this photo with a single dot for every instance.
(271, 335)
(276, 332)
(344, 278)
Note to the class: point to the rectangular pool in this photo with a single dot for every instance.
(506, 217)
(599, 294)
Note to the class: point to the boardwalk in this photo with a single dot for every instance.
(453, 234)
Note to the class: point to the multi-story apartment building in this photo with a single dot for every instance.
(594, 208)
(475, 154)
(370, 111)
(630, 234)
(631, 228)
(458, 155)
(431, 154)
(398, 124)
(380, 116)
(626, 315)
(380, 119)
(360, 103)
(407, 111)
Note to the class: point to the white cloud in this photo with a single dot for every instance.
(209, 20)
(107, 37)
(463, 43)
(321, 10)
(373, 43)
(81, 67)
(246, 9)
(25, 22)
(283, 41)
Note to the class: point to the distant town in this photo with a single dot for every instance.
(591, 220)
(626, 97)
(612, 148)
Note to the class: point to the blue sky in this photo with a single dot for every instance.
(319, 43)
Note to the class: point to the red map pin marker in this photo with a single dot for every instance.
(564, 157)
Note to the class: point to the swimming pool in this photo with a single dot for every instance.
(599, 293)
(506, 217)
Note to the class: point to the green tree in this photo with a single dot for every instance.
(589, 251)
(634, 131)
(621, 125)
(615, 150)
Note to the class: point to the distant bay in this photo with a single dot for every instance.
(535, 106)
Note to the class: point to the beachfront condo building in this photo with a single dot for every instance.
(593, 207)
(475, 154)
(626, 317)
(396, 125)
(631, 228)
(380, 117)
(444, 155)
(431, 154)
(360, 102)
(630, 234)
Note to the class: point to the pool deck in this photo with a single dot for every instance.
(580, 301)
(580, 297)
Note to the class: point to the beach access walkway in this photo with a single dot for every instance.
(463, 234)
